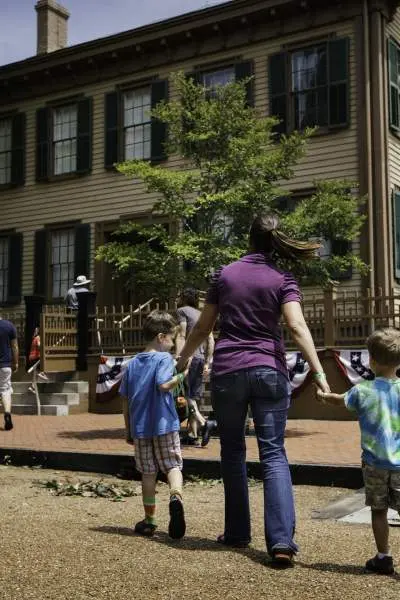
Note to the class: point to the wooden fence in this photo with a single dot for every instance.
(58, 331)
(335, 320)
(114, 331)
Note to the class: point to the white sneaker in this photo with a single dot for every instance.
(43, 376)
(31, 389)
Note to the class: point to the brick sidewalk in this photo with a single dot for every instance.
(315, 442)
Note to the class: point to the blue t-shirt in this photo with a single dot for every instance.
(377, 404)
(151, 411)
(7, 334)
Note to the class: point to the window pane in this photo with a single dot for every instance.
(5, 150)
(221, 77)
(309, 68)
(137, 123)
(65, 121)
(62, 267)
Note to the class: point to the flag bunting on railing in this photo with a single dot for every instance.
(111, 370)
(355, 365)
(109, 376)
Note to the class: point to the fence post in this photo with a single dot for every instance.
(33, 310)
(330, 295)
(86, 307)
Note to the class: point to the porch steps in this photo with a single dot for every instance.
(58, 398)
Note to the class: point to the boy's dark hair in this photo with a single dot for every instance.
(384, 347)
(158, 321)
(190, 297)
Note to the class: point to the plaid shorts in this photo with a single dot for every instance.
(160, 453)
(382, 488)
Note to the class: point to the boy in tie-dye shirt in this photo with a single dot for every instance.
(377, 404)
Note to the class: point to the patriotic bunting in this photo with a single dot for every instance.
(111, 370)
(355, 365)
(109, 376)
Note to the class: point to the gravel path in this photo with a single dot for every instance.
(79, 548)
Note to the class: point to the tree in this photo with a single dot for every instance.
(234, 166)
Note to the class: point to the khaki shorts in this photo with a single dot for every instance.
(5, 380)
(382, 488)
(161, 453)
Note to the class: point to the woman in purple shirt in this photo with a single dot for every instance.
(249, 369)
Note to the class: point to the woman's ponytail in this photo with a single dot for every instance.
(265, 237)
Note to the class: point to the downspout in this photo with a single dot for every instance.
(367, 77)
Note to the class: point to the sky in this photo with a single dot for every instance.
(90, 19)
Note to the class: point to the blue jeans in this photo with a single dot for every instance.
(267, 392)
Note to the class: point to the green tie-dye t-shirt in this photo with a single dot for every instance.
(377, 404)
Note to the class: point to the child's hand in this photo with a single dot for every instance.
(320, 395)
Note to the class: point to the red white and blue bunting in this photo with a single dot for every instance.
(109, 375)
(354, 364)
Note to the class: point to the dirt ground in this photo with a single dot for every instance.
(76, 548)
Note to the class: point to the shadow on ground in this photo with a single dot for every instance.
(196, 543)
(95, 434)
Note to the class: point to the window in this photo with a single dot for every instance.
(137, 124)
(130, 131)
(65, 121)
(61, 254)
(10, 268)
(394, 85)
(64, 139)
(5, 150)
(62, 261)
(3, 269)
(310, 86)
(212, 80)
(12, 150)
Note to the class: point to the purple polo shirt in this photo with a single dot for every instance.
(249, 294)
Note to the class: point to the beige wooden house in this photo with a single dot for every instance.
(69, 113)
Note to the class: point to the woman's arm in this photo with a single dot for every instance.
(199, 334)
(294, 318)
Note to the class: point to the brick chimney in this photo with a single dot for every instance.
(52, 26)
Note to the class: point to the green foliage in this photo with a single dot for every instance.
(234, 166)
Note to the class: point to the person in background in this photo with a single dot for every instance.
(79, 286)
(377, 405)
(188, 315)
(9, 358)
(249, 367)
(34, 356)
(152, 422)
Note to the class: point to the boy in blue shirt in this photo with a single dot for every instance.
(152, 421)
(377, 404)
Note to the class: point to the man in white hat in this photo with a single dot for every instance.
(79, 286)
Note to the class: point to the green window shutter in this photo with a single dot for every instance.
(41, 263)
(15, 242)
(82, 249)
(278, 90)
(244, 70)
(338, 83)
(396, 227)
(111, 142)
(342, 248)
(84, 138)
(18, 149)
(159, 92)
(394, 91)
(42, 143)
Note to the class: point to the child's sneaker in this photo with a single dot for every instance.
(144, 528)
(382, 566)
(177, 525)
